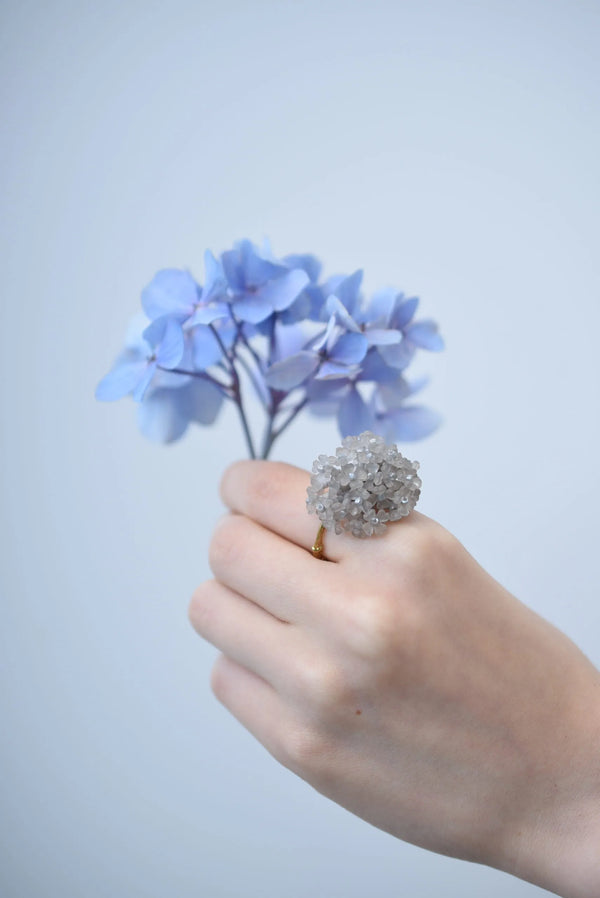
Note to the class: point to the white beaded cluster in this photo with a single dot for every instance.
(363, 486)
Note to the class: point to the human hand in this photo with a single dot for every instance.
(403, 682)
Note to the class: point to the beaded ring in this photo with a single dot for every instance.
(360, 489)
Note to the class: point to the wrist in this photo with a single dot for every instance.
(565, 859)
(557, 844)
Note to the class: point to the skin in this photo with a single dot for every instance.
(402, 681)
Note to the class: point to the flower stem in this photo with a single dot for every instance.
(202, 375)
(240, 407)
(273, 434)
(244, 340)
(252, 378)
(269, 439)
(236, 391)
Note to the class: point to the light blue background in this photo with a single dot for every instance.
(449, 148)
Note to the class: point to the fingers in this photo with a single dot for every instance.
(244, 631)
(274, 495)
(278, 575)
(256, 705)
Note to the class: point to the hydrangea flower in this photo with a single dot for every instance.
(160, 346)
(258, 287)
(272, 326)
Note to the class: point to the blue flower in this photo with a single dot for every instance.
(335, 354)
(160, 346)
(271, 324)
(258, 286)
(384, 413)
(415, 334)
(165, 413)
(175, 292)
(386, 320)
(308, 305)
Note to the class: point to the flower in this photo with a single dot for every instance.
(334, 354)
(160, 346)
(259, 287)
(273, 326)
(175, 293)
(165, 413)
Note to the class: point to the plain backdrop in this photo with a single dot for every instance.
(450, 149)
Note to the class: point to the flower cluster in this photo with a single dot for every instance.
(272, 325)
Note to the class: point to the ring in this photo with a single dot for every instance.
(360, 489)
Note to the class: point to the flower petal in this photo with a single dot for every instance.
(374, 368)
(282, 291)
(232, 269)
(349, 349)
(300, 309)
(425, 334)
(289, 373)
(144, 382)
(324, 396)
(214, 278)
(170, 292)
(228, 331)
(354, 415)
(134, 338)
(207, 314)
(379, 336)
(252, 307)
(404, 311)
(335, 307)
(161, 417)
(412, 422)
(257, 271)
(310, 264)
(121, 380)
(391, 396)
(205, 347)
(170, 348)
(289, 339)
(326, 338)
(200, 401)
(348, 289)
(331, 370)
(317, 302)
(380, 307)
(399, 355)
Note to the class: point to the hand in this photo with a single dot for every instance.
(403, 682)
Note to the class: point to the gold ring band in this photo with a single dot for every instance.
(317, 547)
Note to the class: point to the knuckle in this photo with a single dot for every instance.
(201, 606)
(371, 625)
(219, 678)
(324, 689)
(444, 544)
(384, 634)
(225, 544)
(303, 749)
(265, 487)
(228, 478)
(415, 552)
(425, 547)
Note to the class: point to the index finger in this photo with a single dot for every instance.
(273, 493)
